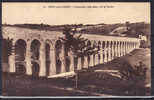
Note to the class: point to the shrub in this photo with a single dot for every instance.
(137, 72)
(144, 44)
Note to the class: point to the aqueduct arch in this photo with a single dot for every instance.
(35, 56)
(20, 49)
(42, 50)
(99, 52)
(48, 61)
(35, 49)
(58, 47)
(20, 53)
(89, 55)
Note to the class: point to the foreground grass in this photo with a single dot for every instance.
(99, 81)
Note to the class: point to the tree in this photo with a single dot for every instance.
(135, 74)
(127, 25)
(77, 45)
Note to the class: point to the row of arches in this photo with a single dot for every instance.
(20, 56)
(109, 50)
(106, 51)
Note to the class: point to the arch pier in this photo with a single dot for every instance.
(43, 54)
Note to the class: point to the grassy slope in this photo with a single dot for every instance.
(104, 80)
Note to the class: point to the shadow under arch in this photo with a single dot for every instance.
(35, 51)
(35, 69)
(118, 48)
(20, 50)
(111, 49)
(20, 53)
(89, 48)
(58, 47)
(107, 46)
(103, 47)
(114, 49)
(48, 47)
(67, 57)
(95, 53)
(99, 48)
(48, 58)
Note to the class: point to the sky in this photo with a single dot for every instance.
(75, 13)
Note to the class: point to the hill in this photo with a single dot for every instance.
(133, 30)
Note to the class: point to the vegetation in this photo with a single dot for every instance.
(97, 83)
(102, 29)
(77, 46)
(44, 26)
(136, 29)
(137, 72)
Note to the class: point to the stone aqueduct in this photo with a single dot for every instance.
(109, 47)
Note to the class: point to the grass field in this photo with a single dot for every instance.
(102, 80)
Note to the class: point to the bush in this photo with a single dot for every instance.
(135, 76)
(137, 72)
(144, 44)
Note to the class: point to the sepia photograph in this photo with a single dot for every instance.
(82, 49)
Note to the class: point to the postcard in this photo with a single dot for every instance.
(80, 49)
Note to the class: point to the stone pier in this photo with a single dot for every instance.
(109, 48)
